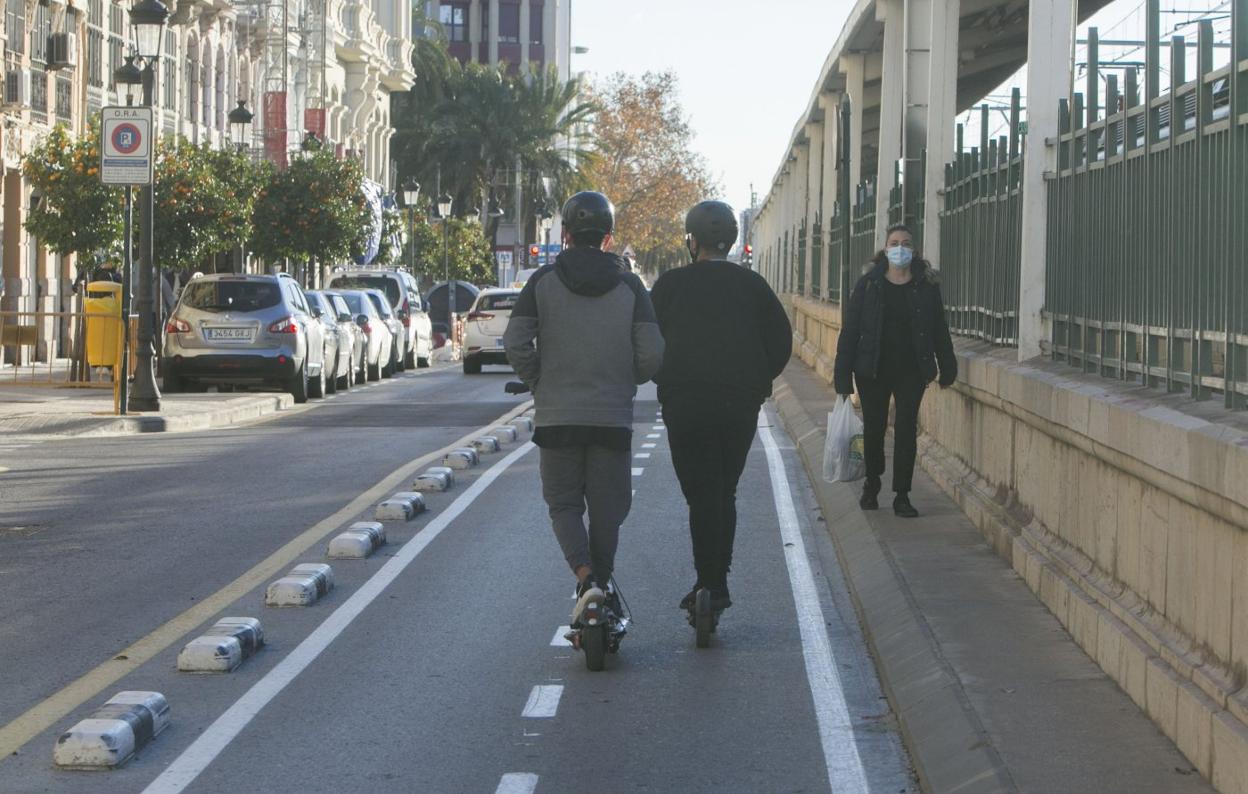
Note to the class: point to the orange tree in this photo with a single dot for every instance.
(76, 214)
(315, 209)
(204, 201)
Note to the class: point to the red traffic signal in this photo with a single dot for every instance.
(534, 250)
(749, 249)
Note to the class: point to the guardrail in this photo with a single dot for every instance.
(95, 360)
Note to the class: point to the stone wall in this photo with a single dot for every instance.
(1125, 509)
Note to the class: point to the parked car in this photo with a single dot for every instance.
(380, 340)
(484, 327)
(391, 321)
(436, 300)
(354, 333)
(339, 341)
(402, 292)
(233, 330)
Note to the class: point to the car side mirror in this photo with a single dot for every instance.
(317, 312)
(362, 320)
(402, 315)
(344, 318)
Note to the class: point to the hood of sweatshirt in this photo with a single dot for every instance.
(589, 271)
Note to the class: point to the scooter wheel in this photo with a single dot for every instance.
(703, 618)
(594, 643)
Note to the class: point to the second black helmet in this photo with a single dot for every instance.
(713, 224)
(589, 211)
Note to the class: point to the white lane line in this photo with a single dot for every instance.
(649, 446)
(657, 427)
(517, 783)
(194, 759)
(543, 701)
(836, 730)
(559, 641)
(637, 472)
(654, 435)
(642, 455)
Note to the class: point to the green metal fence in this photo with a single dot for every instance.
(1146, 266)
(816, 257)
(981, 233)
(862, 230)
(801, 257)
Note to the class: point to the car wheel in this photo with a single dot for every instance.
(400, 363)
(344, 381)
(172, 384)
(298, 385)
(331, 380)
(388, 370)
(423, 362)
(316, 386)
(409, 361)
(374, 371)
(472, 366)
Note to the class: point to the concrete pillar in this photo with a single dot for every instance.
(1050, 27)
(829, 103)
(854, 67)
(801, 210)
(814, 198)
(942, 96)
(525, 34)
(892, 106)
(474, 29)
(552, 43)
(493, 42)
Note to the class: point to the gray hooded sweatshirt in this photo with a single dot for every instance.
(582, 336)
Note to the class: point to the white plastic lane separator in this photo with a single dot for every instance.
(223, 647)
(543, 701)
(114, 732)
(559, 640)
(517, 783)
(637, 472)
(836, 730)
(303, 586)
(360, 541)
(196, 758)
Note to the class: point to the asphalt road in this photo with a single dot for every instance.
(436, 665)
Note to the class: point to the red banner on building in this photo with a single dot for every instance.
(275, 127)
(314, 121)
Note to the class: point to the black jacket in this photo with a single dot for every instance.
(862, 328)
(726, 331)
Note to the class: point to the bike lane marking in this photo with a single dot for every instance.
(543, 701)
(196, 758)
(836, 731)
(517, 783)
(45, 714)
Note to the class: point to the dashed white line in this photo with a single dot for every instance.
(836, 730)
(637, 472)
(543, 701)
(517, 783)
(642, 455)
(559, 641)
(654, 435)
(187, 766)
(648, 446)
(657, 427)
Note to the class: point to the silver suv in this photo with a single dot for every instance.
(233, 330)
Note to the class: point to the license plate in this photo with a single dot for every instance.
(228, 334)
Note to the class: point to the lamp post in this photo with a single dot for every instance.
(128, 76)
(411, 194)
(240, 119)
(147, 19)
(444, 211)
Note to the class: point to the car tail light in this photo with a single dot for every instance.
(177, 325)
(286, 325)
(367, 328)
(480, 316)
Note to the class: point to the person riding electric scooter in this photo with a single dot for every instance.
(582, 335)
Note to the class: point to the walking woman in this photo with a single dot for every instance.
(893, 339)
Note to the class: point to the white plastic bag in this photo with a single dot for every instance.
(842, 449)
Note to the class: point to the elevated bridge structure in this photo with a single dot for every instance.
(1094, 266)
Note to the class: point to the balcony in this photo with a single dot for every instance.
(363, 38)
(398, 74)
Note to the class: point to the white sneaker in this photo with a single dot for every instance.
(591, 596)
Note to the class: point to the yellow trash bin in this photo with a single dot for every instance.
(103, 309)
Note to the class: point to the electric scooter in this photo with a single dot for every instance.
(703, 618)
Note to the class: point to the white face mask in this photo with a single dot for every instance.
(899, 255)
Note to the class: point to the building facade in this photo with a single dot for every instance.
(321, 66)
(519, 33)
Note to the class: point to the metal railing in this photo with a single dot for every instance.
(1146, 273)
(95, 360)
(981, 233)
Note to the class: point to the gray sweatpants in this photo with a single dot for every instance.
(601, 479)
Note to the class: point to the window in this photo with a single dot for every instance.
(502, 302)
(247, 296)
(15, 25)
(116, 40)
(39, 32)
(95, 44)
(170, 69)
(509, 23)
(535, 21)
(454, 19)
(386, 284)
(64, 96)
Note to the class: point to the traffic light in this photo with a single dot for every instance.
(747, 255)
(534, 251)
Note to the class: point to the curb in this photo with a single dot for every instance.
(948, 744)
(260, 406)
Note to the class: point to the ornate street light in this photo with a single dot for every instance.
(129, 76)
(411, 194)
(444, 211)
(147, 19)
(240, 119)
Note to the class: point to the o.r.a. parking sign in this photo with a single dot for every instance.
(126, 156)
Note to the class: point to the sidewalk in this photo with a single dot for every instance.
(991, 692)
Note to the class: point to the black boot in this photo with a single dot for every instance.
(902, 506)
(870, 490)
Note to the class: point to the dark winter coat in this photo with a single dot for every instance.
(862, 329)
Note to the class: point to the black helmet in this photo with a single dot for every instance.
(713, 224)
(589, 211)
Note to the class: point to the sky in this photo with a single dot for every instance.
(746, 69)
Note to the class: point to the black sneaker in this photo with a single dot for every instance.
(903, 508)
(870, 494)
(720, 599)
(687, 601)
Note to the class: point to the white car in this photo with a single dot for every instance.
(484, 327)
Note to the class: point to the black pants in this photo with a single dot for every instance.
(907, 392)
(710, 440)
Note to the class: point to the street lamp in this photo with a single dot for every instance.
(411, 194)
(147, 19)
(240, 118)
(444, 211)
(129, 76)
